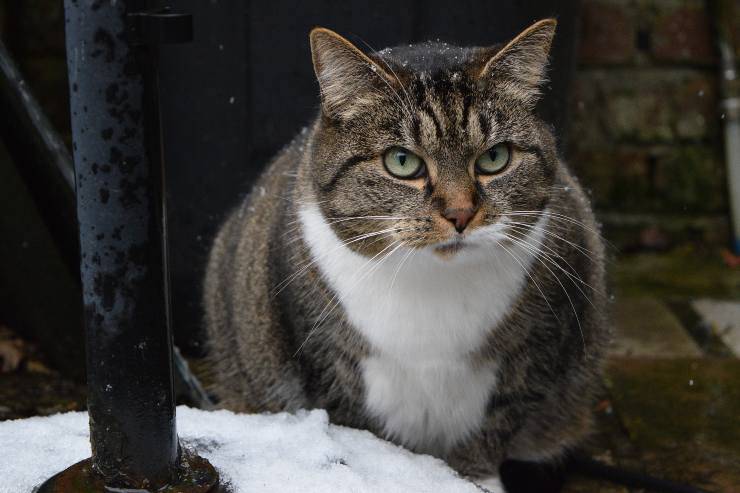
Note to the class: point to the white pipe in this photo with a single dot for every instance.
(732, 157)
(731, 111)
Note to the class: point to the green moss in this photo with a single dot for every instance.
(665, 179)
(683, 272)
(615, 178)
(683, 415)
(665, 403)
(690, 179)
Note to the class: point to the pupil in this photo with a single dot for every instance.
(402, 158)
(492, 154)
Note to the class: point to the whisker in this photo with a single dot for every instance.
(565, 291)
(398, 269)
(557, 215)
(521, 264)
(564, 218)
(585, 251)
(532, 249)
(283, 284)
(295, 223)
(378, 234)
(334, 301)
(554, 253)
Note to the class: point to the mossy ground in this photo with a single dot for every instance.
(671, 416)
(684, 272)
(680, 417)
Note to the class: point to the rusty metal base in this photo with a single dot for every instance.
(197, 475)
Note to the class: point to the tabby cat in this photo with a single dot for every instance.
(418, 262)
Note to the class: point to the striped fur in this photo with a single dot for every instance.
(442, 361)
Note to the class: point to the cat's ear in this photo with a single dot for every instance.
(348, 78)
(520, 68)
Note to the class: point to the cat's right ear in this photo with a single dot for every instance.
(519, 68)
(348, 79)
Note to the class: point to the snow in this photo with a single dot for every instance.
(299, 452)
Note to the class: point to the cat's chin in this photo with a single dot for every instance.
(451, 247)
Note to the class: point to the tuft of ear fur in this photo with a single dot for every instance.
(520, 67)
(348, 79)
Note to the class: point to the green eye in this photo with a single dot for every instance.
(493, 160)
(402, 163)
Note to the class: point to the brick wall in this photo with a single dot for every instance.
(645, 133)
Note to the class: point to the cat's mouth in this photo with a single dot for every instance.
(451, 247)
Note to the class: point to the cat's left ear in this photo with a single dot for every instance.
(348, 78)
(520, 68)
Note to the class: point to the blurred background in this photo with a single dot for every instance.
(636, 97)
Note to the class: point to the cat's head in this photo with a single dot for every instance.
(430, 145)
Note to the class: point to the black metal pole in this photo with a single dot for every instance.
(130, 397)
(111, 52)
(47, 170)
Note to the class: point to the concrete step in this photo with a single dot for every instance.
(646, 327)
(724, 319)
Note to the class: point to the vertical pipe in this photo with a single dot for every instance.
(120, 215)
(119, 176)
(730, 106)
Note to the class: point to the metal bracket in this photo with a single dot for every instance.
(158, 27)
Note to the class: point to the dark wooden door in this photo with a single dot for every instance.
(245, 87)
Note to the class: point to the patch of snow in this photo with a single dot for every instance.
(283, 452)
(36, 448)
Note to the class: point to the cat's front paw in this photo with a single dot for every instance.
(490, 485)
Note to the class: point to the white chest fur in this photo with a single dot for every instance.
(424, 316)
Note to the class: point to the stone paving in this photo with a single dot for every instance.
(723, 318)
(645, 327)
(671, 405)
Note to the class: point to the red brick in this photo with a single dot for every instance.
(671, 179)
(618, 178)
(690, 179)
(586, 129)
(695, 108)
(683, 34)
(643, 105)
(608, 34)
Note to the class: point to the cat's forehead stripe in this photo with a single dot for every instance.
(428, 114)
(445, 110)
(455, 117)
(467, 102)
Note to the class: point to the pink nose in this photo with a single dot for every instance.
(459, 217)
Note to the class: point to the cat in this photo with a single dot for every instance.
(418, 262)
